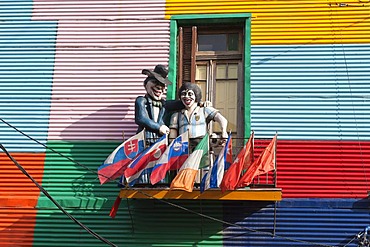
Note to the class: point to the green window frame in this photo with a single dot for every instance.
(245, 18)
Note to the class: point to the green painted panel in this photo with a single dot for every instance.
(71, 174)
(138, 222)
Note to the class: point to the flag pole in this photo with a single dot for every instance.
(275, 163)
(275, 184)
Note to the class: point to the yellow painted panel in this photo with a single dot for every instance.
(291, 22)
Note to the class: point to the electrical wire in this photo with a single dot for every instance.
(232, 224)
(51, 149)
(151, 197)
(91, 232)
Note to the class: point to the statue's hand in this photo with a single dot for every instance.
(224, 135)
(164, 130)
(205, 104)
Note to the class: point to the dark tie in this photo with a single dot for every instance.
(157, 103)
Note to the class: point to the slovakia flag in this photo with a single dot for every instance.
(145, 161)
(116, 163)
(213, 178)
(172, 159)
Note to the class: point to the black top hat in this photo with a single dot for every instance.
(160, 73)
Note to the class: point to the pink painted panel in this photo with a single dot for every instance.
(98, 76)
(97, 9)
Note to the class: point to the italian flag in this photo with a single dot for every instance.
(184, 180)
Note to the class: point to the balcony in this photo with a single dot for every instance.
(263, 187)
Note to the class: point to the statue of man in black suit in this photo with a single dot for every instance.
(151, 109)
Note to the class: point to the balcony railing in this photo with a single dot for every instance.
(264, 185)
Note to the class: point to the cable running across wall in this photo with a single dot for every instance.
(138, 190)
(91, 232)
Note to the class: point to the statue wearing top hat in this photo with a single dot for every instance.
(151, 109)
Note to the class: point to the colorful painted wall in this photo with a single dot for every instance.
(70, 71)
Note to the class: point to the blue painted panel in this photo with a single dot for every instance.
(317, 92)
(16, 10)
(304, 222)
(27, 52)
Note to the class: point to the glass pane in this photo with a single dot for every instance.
(232, 71)
(225, 102)
(203, 88)
(221, 71)
(233, 42)
(201, 73)
(212, 42)
(201, 79)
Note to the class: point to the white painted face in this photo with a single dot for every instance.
(155, 89)
(188, 98)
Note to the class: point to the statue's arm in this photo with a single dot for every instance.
(142, 118)
(173, 126)
(222, 121)
(174, 105)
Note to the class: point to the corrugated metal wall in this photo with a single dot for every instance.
(27, 51)
(314, 92)
(296, 222)
(70, 72)
(97, 75)
(291, 22)
(322, 169)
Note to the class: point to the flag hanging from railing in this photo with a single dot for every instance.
(145, 161)
(233, 174)
(172, 159)
(116, 163)
(184, 180)
(213, 178)
(266, 162)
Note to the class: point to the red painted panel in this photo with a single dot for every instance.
(17, 227)
(17, 190)
(322, 169)
(18, 198)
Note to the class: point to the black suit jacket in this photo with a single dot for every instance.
(144, 115)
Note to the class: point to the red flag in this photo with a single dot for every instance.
(249, 156)
(115, 207)
(264, 163)
(232, 175)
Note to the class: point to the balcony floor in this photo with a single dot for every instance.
(248, 194)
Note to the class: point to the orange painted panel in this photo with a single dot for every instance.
(16, 189)
(17, 227)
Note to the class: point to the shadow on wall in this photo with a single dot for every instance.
(362, 205)
(87, 143)
(138, 222)
(183, 221)
(105, 124)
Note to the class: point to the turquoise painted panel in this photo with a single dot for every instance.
(317, 92)
(27, 52)
(12, 10)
